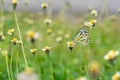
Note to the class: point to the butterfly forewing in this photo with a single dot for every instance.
(82, 36)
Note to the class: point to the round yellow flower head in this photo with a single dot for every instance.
(14, 41)
(46, 49)
(111, 55)
(33, 51)
(14, 3)
(94, 68)
(94, 13)
(10, 32)
(116, 76)
(44, 5)
(49, 31)
(92, 22)
(31, 34)
(70, 45)
(47, 21)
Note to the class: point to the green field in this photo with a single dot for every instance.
(61, 63)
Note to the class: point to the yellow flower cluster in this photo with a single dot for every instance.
(111, 55)
(116, 76)
(44, 5)
(10, 32)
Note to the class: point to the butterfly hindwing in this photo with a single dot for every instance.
(82, 36)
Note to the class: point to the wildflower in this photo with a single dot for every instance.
(46, 49)
(82, 78)
(4, 52)
(92, 22)
(44, 5)
(2, 37)
(94, 69)
(28, 74)
(116, 76)
(14, 41)
(49, 31)
(94, 13)
(111, 55)
(33, 51)
(70, 45)
(19, 42)
(88, 24)
(59, 39)
(14, 3)
(32, 36)
(10, 32)
(47, 21)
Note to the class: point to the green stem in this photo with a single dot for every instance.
(37, 68)
(71, 56)
(17, 63)
(50, 65)
(6, 59)
(51, 71)
(20, 39)
(11, 59)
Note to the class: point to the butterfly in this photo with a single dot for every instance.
(82, 36)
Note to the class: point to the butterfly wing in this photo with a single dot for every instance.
(82, 36)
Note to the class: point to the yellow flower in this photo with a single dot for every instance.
(94, 68)
(70, 45)
(111, 55)
(46, 49)
(116, 76)
(14, 41)
(32, 36)
(49, 31)
(92, 22)
(47, 21)
(14, 3)
(10, 32)
(94, 13)
(88, 24)
(44, 5)
(33, 51)
(19, 42)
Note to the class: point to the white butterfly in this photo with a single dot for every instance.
(82, 36)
